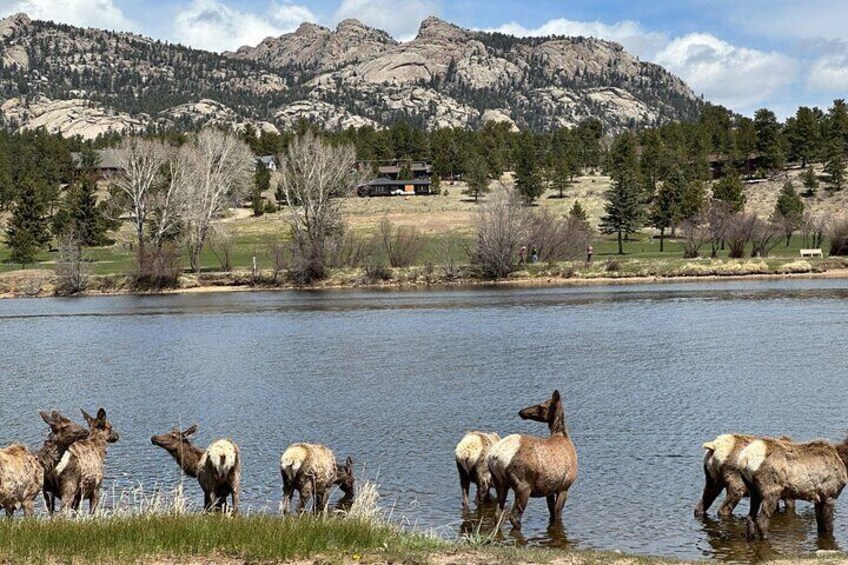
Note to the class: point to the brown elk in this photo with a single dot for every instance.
(471, 455)
(217, 469)
(311, 469)
(722, 472)
(79, 473)
(814, 471)
(63, 433)
(533, 466)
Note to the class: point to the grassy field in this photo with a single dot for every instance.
(446, 223)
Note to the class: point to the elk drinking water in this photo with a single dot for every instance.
(722, 472)
(79, 473)
(312, 469)
(217, 469)
(63, 433)
(471, 455)
(814, 471)
(533, 466)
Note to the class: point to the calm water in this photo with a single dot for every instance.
(395, 378)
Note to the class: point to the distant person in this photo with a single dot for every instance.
(534, 255)
(522, 255)
(589, 252)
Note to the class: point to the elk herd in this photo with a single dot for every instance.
(69, 467)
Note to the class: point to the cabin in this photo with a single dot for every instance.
(269, 161)
(721, 165)
(108, 164)
(393, 187)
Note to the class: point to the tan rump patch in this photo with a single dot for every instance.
(63, 462)
(722, 447)
(293, 458)
(502, 453)
(752, 457)
(222, 454)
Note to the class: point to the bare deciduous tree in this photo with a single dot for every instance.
(71, 276)
(220, 170)
(558, 239)
(502, 224)
(839, 237)
(221, 245)
(402, 244)
(765, 237)
(694, 234)
(141, 162)
(813, 227)
(738, 232)
(718, 214)
(314, 177)
(349, 250)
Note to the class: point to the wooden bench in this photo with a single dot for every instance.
(811, 253)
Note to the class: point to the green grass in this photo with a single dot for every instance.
(259, 537)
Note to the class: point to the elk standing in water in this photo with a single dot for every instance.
(218, 469)
(80, 471)
(814, 471)
(311, 469)
(63, 433)
(721, 471)
(471, 455)
(533, 466)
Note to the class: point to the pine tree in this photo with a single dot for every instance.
(624, 208)
(476, 177)
(789, 209)
(835, 166)
(663, 212)
(577, 211)
(811, 182)
(26, 233)
(527, 178)
(731, 191)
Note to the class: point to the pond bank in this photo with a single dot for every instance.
(38, 283)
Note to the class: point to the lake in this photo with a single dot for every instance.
(394, 378)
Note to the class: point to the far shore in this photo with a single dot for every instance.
(40, 284)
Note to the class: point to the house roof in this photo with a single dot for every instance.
(381, 181)
(107, 159)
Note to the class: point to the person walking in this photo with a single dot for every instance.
(534, 255)
(522, 255)
(589, 252)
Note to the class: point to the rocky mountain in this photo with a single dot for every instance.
(88, 81)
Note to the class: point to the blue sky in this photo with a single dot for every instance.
(745, 54)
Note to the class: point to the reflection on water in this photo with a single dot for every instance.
(396, 378)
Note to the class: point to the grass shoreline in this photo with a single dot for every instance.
(40, 283)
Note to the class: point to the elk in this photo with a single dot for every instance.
(471, 453)
(217, 469)
(722, 472)
(79, 473)
(63, 433)
(533, 466)
(21, 479)
(311, 469)
(813, 471)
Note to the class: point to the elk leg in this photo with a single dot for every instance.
(49, 502)
(561, 498)
(288, 494)
(305, 496)
(824, 517)
(551, 500)
(522, 496)
(207, 502)
(789, 505)
(767, 508)
(10, 511)
(235, 497)
(93, 501)
(751, 524)
(29, 507)
(711, 491)
(502, 491)
(465, 484)
(735, 491)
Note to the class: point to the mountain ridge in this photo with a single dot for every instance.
(353, 76)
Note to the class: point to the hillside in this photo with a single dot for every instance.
(89, 81)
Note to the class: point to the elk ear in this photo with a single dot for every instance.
(555, 396)
(48, 418)
(87, 416)
(101, 414)
(190, 431)
(349, 464)
(57, 416)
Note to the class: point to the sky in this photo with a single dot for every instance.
(743, 54)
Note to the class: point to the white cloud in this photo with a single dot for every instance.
(737, 77)
(829, 72)
(630, 34)
(213, 25)
(85, 13)
(400, 18)
(787, 18)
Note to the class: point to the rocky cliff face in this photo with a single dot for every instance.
(86, 81)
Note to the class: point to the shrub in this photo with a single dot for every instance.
(558, 239)
(71, 277)
(839, 238)
(502, 224)
(402, 244)
(158, 268)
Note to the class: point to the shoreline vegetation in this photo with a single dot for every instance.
(39, 283)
